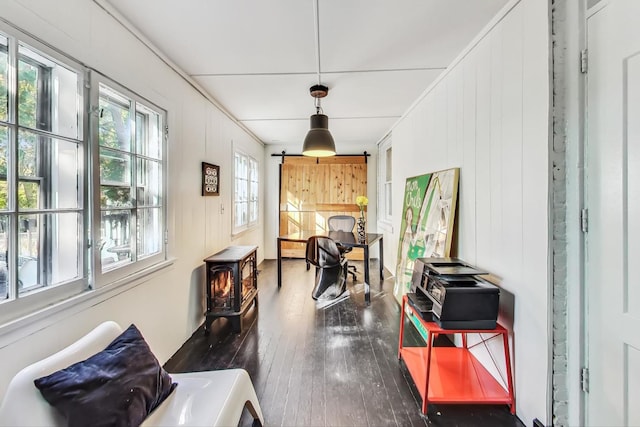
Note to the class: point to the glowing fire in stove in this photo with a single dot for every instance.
(222, 287)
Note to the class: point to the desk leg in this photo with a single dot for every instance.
(380, 246)
(279, 263)
(367, 288)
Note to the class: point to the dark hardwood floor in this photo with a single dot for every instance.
(325, 365)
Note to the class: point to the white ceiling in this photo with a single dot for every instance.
(258, 58)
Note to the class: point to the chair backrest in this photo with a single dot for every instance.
(23, 403)
(341, 223)
(323, 252)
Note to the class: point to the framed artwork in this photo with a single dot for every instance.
(210, 179)
(428, 218)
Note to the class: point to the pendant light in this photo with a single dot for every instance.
(319, 142)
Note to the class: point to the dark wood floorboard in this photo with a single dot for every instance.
(326, 364)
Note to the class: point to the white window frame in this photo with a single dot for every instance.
(252, 200)
(42, 297)
(106, 276)
(20, 310)
(385, 181)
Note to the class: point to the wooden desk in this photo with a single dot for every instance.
(453, 374)
(345, 239)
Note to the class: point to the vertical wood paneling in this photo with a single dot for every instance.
(483, 154)
(312, 177)
(334, 180)
(496, 149)
(535, 180)
(512, 145)
(348, 182)
(435, 148)
(467, 206)
(326, 184)
(452, 109)
(440, 125)
(459, 117)
(535, 191)
(301, 189)
(489, 115)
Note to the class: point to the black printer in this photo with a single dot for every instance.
(460, 298)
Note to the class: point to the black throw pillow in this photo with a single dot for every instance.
(119, 386)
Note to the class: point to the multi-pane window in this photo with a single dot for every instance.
(42, 178)
(245, 199)
(385, 175)
(130, 137)
(80, 206)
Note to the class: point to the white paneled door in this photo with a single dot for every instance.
(613, 202)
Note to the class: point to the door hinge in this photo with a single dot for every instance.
(584, 61)
(584, 220)
(166, 237)
(584, 379)
(166, 131)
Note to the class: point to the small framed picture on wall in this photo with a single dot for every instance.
(210, 179)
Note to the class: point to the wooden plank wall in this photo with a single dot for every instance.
(312, 190)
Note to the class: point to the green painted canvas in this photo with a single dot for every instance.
(428, 218)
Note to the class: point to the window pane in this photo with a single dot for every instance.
(114, 124)
(388, 196)
(115, 179)
(48, 172)
(4, 85)
(4, 194)
(29, 180)
(149, 232)
(28, 152)
(239, 221)
(4, 246)
(4, 157)
(149, 183)
(237, 196)
(388, 163)
(29, 195)
(115, 232)
(148, 132)
(253, 190)
(48, 250)
(245, 190)
(28, 75)
(48, 94)
(254, 211)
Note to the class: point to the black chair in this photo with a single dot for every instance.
(343, 223)
(331, 267)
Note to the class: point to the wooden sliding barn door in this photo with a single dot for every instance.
(311, 190)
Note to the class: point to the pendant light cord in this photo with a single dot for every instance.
(316, 11)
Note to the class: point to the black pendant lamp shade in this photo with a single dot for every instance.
(319, 142)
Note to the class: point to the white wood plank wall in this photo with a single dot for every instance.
(489, 115)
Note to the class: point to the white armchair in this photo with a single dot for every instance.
(210, 398)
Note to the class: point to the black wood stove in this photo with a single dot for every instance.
(231, 285)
